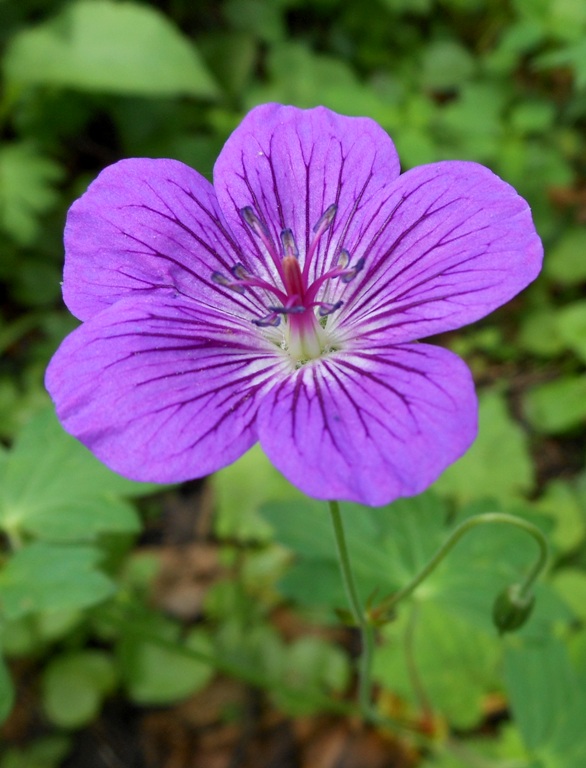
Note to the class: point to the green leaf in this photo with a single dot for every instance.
(49, 752)
(311, 665)
(241, 489)
(299, 76)
(498, 465)
(446, 65)
(574, 56)
(51, 486)
(565, 262)
(51, 577)
(100, 45)
(74, 686)
(571, 323)
(155, 674)
(6, 692)
(561, 502)
(27, 179)
(456, 668)
(570, 584)
(548, 703)
(539, 333)
(557, 406)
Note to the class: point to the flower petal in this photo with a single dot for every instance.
(370, 426)
(455, 243)
(290, 165)
(145, 226)
(161, 390)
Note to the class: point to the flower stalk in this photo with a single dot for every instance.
(522, 590)
(358, 613)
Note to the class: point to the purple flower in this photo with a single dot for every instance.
(283, 305)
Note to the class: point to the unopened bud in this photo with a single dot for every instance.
(511, 609)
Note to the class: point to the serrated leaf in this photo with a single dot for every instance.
(51, 577)
(27, 179)
(62, 492)
(100, 45)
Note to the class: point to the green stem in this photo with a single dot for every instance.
(366, 631)
(490, 517)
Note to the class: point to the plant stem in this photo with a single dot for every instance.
(487, 518)
(366, 630)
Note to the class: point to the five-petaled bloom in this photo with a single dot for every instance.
(283, 305)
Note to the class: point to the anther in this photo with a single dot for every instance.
(240, 272)
(257, 226)
(289, 244)
(297, 310)
(326, 219)
(222, 280)
(326, 309)
(351, 273)
(343, 258)
(272, 320)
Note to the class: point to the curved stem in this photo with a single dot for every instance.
(487, 518)
(366, 631)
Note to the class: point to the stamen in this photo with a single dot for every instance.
(323, 223)
(272, 320)
(297, 310)
(326, 309)
(325, 219)
(343, 258)
(257, 226)
(261, 230)
(289, 244)
(240, 272)
(222, 280)
(351, 273)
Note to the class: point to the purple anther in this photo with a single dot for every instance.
(325, 219)
(326, 309)
(222, 280)
(257, 226)
(343, 258)
(289, 244)
(297, 310)
(351, 273)
(272, 320)
(240, 272)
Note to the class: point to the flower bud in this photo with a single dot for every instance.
(511, 609)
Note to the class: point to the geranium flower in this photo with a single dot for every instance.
(284, 305)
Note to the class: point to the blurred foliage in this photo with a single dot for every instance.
(86, 82)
